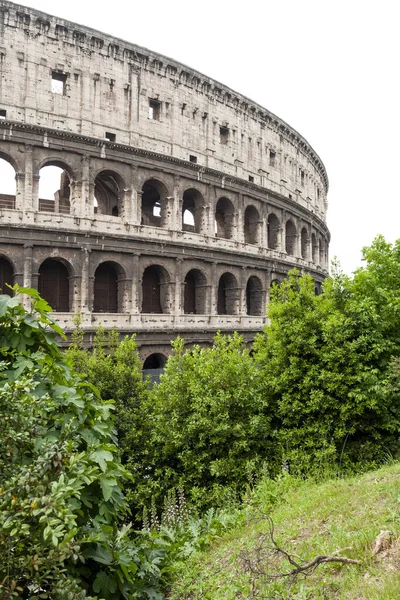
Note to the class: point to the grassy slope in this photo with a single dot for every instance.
(310, 519)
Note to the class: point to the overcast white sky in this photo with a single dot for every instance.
(328, 68)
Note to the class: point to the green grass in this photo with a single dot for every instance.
(310, 519)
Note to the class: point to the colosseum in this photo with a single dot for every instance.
(179, 202)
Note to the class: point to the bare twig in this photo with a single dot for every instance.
(258, 563)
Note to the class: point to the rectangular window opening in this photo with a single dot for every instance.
(3, 113)
(223, 135)
(272, 158)
(251, 178)
(110, 137)
(154, 110)
(58, 81)
(192, 158)
(302, 176)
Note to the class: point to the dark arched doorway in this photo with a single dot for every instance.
(105, 292)
(228, 295)
(6, 276)
(54, 284)
(195, 293)
(254, 297)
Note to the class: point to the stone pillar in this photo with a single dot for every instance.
(239, 237)
(87, 190)
(179, 284)
(35, 192)
(214, 289)
(175, 221)
(283, 233)
(86, 291)
(28, 181)
(136, 283)
(27, 275)
(242, 292)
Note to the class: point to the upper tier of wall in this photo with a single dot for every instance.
(60, 75)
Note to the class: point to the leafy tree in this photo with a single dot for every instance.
(324, 362)
(61, 502)
(207, 428)
(115, 368)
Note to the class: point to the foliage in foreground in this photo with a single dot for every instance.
(341, 516)
(61, 502)
(206, 428)
(327, 366)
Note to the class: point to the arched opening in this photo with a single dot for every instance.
(321, 253)
(154, 367)
(251, 225)
(290, 238)
(155, 290)
(105, 290)
(6, 276)
(254, 297)
(54, 284)
(195, 293)
(154, 204)
(273, 226)
(8, 189)
(317, 288)
(314, 247)
(304, 243)
(108, 193)
(54, 189)
(192, 211)
(228, 295)
(224, 218)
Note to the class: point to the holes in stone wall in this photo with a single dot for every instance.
(154, 113)
(7, 185)
(273, 227)
(192, 211)
(58, 82)
(254, 297)
(195, 293)
(54, 189)
(223, 135)
(224, 218)
(228, 295)
(251, 225)
(154, 204)
(155, 290)
(54, 284)
(290, 238)
(3, 114)
(6, 275)
(108, 193)
(304, 243)
(105, 291)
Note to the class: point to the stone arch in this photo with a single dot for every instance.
(273, 226)
(290, 238)
(321, 252)
(109, 189)
(8, 184)
(156, 293)
(192, 204)
(314, 248)
(155, 203)
(54, 283)
(254, 296)
(6, 275)
(304, 242)
(153, 366)
(251, 225)
(195, 293)
(54, 188)
(228, 295)
(224, 218)
(107, 292)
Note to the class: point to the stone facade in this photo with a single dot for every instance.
(180, 200)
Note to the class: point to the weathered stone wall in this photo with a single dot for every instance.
(144, 140)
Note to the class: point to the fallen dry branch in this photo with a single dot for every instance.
(258, 563)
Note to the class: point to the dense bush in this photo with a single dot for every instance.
(206, 428)
(325, 365)
(61, 502)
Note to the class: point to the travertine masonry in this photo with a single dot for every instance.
(180, 200)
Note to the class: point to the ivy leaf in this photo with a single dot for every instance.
(107, 486)
(101, 457)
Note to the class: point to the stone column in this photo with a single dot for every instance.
(86, 292)
(214, 289)
(27, 275)
(28, 181)
(239, 237)
(178, 308)
(242, 292)
(87, 190)
(136, 283)
(283, 233)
